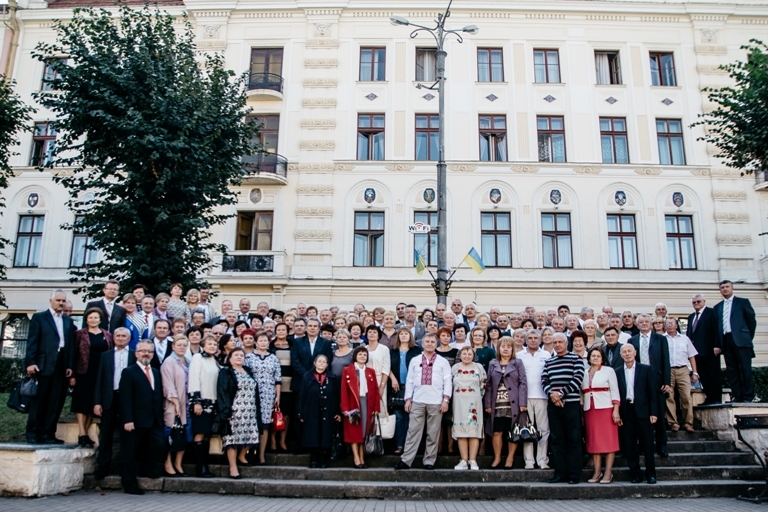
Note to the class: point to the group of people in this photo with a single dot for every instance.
(169, 372)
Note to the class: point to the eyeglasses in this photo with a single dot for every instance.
(697, 301)
(144, 351)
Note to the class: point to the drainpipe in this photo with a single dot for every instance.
(10, 45)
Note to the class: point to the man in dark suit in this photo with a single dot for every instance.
(245, 311)
(304, 350)
(114, 314)
(639, 411)
(162, 341)
(653, 349)
(107, 395)
(612, 348)
(702, 330)
(736, 325)
(141, 415)
(49, 358)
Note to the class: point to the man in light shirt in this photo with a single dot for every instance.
(681, 354)
(533, 359)
(428, 392)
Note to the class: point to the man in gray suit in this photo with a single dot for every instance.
(736, 329)
(417, 328)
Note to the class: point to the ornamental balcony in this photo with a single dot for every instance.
(265, 86)
(265, 168)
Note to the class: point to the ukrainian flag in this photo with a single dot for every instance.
(474, 260)
(420, 265)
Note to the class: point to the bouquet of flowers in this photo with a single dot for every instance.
(354, 416)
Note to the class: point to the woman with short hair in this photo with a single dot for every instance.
(203, 378)
(175, 377)
(360, 403)
(317, 408)
(469, 380)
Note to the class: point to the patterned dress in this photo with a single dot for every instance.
(468, 389)
(244, 424)
(266, 371)
(179, 309)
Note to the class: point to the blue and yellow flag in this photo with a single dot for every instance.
(419, 261)
(475, 261)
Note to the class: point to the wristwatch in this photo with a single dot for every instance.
(696, 374)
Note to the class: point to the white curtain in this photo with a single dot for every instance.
(603, 69)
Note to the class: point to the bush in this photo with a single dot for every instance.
(760, 376)
(11, 370)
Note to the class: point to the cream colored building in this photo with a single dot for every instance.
(633, 170)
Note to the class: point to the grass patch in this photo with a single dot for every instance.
(13, 424)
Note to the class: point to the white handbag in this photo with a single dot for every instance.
(387, 426)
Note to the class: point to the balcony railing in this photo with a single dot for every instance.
(265, 81)
(247, 263)
(761, 177)
(270, 163)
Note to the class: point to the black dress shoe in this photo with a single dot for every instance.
(33, 440)
(136, 491)
(236, 477)
(573, 482)
(636, 480)
(402, 465)
(651, 479)
(55, 440)
(555, 480)
(85, 442)
(429, 466)
(169, 475)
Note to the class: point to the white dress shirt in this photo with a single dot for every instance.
(442, 385)
(312, 344)
(629, 376)
(160, 346)
(121, 362)
(534, 366)
(108, 306)
(59, 326)
(624, 337)
(680, 350)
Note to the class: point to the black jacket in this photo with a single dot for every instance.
(394, 356)
(617, 362)
(116, 320)
(646, 389)
(105, 378)
(658, 352)
(705, 338)
(317, 405)
(139, 403)
(743, 322)
(43, 343)
(226, 391)
(302, 360)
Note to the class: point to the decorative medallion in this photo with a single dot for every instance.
(491, 97)
(429, 195)
(428, 97)
(611, 100)
(549, 98)
(495, 195)
(89, 197)
(678, 199)
(667, 101)
(555, 197)
(33, 199)
(620, 198)
(369, 195)
(371, 96)
(255, 195)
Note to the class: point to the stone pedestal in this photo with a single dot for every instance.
(68, 431)
(721, 419)
(43, 470)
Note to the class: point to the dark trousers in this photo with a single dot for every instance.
(110, 419)
(738, 367)
(401, 426)
(711, 381)
(638, 430)
(45, 408)
(565, 439)
(661, 426)
(146, 444)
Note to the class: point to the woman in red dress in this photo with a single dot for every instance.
(360, 400)
(601, 414)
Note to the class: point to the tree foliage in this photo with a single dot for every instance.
(14, 119)
(155, 132)
(738, 127)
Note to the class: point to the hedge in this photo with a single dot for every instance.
(11, 370)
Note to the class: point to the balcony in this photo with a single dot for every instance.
(761, 180)
(245, 266)
(265, 86)
(248, 263)
(265, 168)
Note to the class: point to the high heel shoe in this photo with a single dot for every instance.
(235, 477)
(594, 480)
(166, 473)
(180, 472)
(604, 481)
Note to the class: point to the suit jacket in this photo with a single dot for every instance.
(705, 337)
(210, 313)
(105, 378)
(43, 343)
(743, 322)
(658, 351)
(302, 360)
(646, 389)
(139, 403)
(617, 361)
(108, 323)
(418, 331)
(156, 363)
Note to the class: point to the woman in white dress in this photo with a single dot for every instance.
(379, 360)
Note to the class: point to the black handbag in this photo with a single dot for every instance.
(522, 432)
(374, 445)
(397, 400)
(177, 439)
(221, 427)
(28, 386)
(18, 402)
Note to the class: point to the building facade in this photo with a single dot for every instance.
(573, 168)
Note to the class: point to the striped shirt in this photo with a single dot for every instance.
(565, 374)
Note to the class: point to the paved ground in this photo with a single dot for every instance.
(119, 502)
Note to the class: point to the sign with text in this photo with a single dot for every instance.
(419, 227)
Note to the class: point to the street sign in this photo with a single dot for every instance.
(419, 227)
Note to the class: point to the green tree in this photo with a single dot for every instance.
(155, 132)
(14, 118)
(737, 127)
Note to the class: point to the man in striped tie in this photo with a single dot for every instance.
(736, 330)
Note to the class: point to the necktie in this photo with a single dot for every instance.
(149, 377)
(146, 319)
(109, 309)
(610, 357)
(727, 317)
(695, 321)
(644, 356)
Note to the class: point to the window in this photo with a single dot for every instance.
(427, 136)
(369, 239)
(663, 69)
(29, 238)
(551, 130)
(490, 65)
(370, 137)
(254, 231)
(607, 68)
(669, 133)
(426, 64)
(622, 241)
(267, 60)
(426, 243)
(15, 333)
(49, 75)
(373, 63)
(546, 66)
(80, 256)
(613, 140)
(43, 145)
(496, 239)
(493, 138)
(268, 133)
(680, 249)
(556, 240)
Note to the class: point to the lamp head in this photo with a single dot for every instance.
(471, 29)
(399, 20)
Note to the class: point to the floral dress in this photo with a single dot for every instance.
(468, 389)
(266, 371)
(244, 424)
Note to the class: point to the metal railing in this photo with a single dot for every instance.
(247, 263)
(269, 81)
(761, 177)
(270, 163)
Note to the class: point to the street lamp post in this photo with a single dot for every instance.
(442, 282)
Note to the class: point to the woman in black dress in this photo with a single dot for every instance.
(90, 343)
(317, 409)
